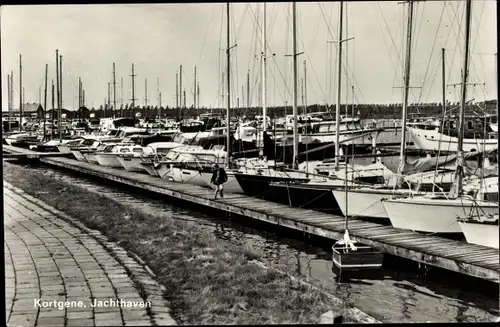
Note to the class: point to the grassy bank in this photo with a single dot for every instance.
(207, 281)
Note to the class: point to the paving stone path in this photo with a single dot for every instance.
(52, 262)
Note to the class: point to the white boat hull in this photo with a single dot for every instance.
(162, 170)
(131, 164)
(431, 215)
(149, 168)
(91, 157)
(108, 160)
(63, 149)
(78, 155)
(428, 140)
(363, 202)
(480, 234)
(366, 137)
(188, 176)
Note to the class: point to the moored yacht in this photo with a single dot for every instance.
(480, 229)
(107, 157)
(437, 213)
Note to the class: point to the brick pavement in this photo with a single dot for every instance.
(52, 260)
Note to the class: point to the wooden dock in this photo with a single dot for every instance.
(468, 259)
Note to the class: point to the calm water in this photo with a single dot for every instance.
(400, 296)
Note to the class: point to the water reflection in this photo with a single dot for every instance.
(396, 296)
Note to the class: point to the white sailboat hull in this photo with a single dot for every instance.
(428, 140)
(480, 234)
(363, 202)
(131, 163)
(108, 160)
(431, 215)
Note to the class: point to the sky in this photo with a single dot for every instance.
(158, 38)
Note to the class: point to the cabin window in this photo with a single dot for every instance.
(138, 150)
(124, 150)
(470, 125)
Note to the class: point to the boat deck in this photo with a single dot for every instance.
(468, 259)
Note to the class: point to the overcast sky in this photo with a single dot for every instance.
(158, 38)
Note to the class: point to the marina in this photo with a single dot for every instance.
(383, 174)
(472, 260)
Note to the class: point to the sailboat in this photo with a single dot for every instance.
(438, 213)
(348, 255)
(478, 227)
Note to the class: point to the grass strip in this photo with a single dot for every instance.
(206, 281)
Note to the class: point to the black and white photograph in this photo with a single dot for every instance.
(250, 163)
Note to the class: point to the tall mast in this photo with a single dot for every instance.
(109, 96)
(305, 88)
(133, 89)
(60, 96)
(465, 75)
(146, 92)
(409, 27)
(180, 86)
(159, 95)
(53, 108)
(194, 89)
(443, 94)
(302, 93)
(228, 107)
(347, 60)
(295, 131)
(83, 97)
(79, 92)
(21, 111)
(264, 71)
(57, 83)
(177, 94)
(114, 90)
(11, 78)
(9, 101)
(198, 96)
(121, 95)
(248, 90)
(339, 81)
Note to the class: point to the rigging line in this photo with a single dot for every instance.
(472, 66)
(344, 66)
(251, 49)
(206, 34)
(484, 71)
(473, 63)
(311, 66)
(272, 21)
(432, 52)
(451, 23)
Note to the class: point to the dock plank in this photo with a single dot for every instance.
(417, 247)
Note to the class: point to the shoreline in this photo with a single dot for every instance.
(195, 270)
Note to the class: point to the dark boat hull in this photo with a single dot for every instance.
(258, 185)
(302, 195)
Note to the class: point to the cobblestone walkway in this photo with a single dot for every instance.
(51, 264)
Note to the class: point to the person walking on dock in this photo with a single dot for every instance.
(219, 177)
